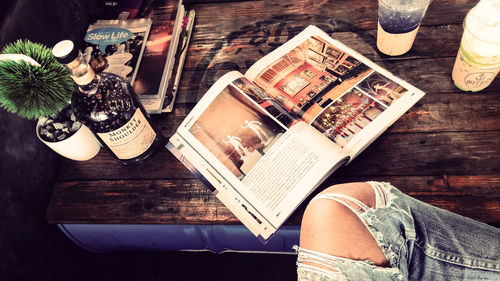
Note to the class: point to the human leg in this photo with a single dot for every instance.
(332, 228)
(335, 242)
(419, 242)
(452, 247)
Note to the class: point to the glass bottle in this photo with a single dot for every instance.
(108, 106)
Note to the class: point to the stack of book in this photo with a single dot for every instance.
(145, 41)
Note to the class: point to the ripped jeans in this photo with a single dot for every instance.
(420, 242)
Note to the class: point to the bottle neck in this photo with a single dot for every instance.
(83, 74)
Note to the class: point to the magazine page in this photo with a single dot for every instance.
(289, 171)
(342, 94)
(272, 162)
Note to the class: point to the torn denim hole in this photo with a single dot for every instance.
(386, 204)
(312, 265)
(316, 266)
(394, 209)
(365, 213)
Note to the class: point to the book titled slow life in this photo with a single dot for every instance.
(263, 141)
(117, 46)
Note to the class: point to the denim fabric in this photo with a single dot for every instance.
(421, 242)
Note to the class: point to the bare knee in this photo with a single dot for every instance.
(332, 228)
(361, 191)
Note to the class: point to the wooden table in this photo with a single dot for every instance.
(444, 151)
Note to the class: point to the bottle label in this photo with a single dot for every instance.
(470, 76)
(132, 139)
(395, 44)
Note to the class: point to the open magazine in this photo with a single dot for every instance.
(263, 141)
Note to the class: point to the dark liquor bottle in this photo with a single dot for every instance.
(108, 106)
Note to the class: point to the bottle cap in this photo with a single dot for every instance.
(65, 51)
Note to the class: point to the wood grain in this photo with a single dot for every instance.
(344, 15)
(390, 154)
(189, 202)
(443, 151)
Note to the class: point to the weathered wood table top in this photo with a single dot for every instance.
(444, 151)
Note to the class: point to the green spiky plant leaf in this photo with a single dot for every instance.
(34, 91)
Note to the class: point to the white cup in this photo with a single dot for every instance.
(398, 24)
(80, 146)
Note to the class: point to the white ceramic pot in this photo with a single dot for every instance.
(80, 146)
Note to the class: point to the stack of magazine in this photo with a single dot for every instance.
(146, 43)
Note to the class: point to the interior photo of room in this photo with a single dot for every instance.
(310, 77)
(382, 88)
(266, 101)
(348, 115)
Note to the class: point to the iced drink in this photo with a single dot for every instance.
(478, 59)
(398, 23)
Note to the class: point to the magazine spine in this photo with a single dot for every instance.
(179, 64)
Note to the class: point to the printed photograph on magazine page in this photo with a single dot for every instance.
(241, 140)
(309, 77)
(328, 88)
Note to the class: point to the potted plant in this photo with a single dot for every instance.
(34, 85)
